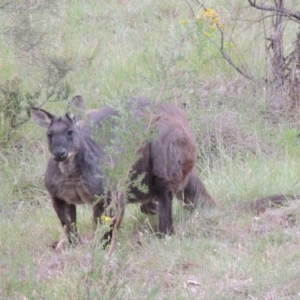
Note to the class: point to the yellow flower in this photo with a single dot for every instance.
(212, 28)
(215, 20)
(184, 22)
(210, 17)
(208, 34)
(106, 219)
(208, 14)
(211, 14)
(230, 45)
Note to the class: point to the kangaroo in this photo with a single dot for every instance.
(75, 174)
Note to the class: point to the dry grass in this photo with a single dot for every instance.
(212, 255)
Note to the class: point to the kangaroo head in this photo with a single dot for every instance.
(63, 134)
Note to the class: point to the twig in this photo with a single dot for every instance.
(229, 60)
(282, 11)
(187, 2)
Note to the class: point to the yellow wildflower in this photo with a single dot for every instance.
(184, 22)
(208, 14)
(211, 14)
(215, 20)
(210, 18)
(230, 45)
(212, 28)
(106, 219)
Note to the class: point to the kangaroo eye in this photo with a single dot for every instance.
(49, 135)
(69, 132)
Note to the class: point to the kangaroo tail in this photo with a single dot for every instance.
(195, 193)
(260, 205)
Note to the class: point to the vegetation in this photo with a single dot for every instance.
(178, 51)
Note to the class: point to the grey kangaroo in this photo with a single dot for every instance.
(75, 173)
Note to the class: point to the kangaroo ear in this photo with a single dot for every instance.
(41, 117)
(77, 107)
(77, 103)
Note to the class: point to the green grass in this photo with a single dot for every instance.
(121, 48)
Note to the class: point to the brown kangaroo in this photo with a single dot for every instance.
(75, 173)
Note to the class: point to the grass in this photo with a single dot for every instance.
(123, 48)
